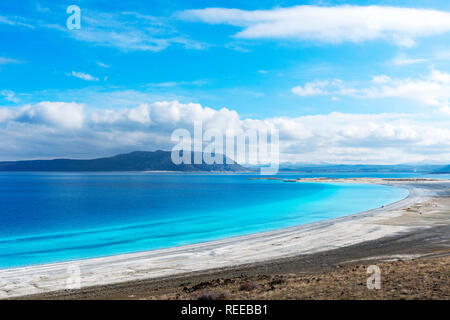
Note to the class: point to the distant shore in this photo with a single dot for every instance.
(417, 226)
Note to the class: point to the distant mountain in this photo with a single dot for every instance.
(134, 161)
(443, 170)
(363, 168)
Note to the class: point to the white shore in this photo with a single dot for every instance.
(304, 239)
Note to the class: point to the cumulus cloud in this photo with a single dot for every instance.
(56, 129)
(315, 88)
(329, 24)
(431, 90)
(56, 115)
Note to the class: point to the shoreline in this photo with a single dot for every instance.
(230, 253)
(72, 261)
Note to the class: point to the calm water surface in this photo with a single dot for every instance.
(52, 217)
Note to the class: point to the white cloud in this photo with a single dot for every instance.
(9, 96)
(103, 65)
(318, 88)
(58, 115)
(15, 21)
(68, 129)
(5, 114)
(442, 55)
(83, 76)
(381, 79)
(200, 82)
(65, 115)
(330, 24)
(311, 89)
(129, 31)
(4, 60)
(431, 90)
(237, 47)
(402, 60)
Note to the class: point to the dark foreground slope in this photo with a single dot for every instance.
(134, 161)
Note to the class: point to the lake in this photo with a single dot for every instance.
(53, 217)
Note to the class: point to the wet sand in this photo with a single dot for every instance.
(279, 264)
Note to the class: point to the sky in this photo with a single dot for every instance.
(364, 82)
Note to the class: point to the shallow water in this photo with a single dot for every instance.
(52, 217)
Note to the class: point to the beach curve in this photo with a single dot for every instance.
(303, 239)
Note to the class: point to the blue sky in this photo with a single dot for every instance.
(301, 68)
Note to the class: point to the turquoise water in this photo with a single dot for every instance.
(52, 217)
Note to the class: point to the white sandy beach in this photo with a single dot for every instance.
(393, 219)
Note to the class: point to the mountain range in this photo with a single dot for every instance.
(443, 170)
(362, 168)
(134, 161)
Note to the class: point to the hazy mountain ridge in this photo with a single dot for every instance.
(445, 169)
(134, 161)
(361, 168)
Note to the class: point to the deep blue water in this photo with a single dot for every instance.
(50, 217)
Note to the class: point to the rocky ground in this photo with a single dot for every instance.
(412, 266)
(412, 279)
